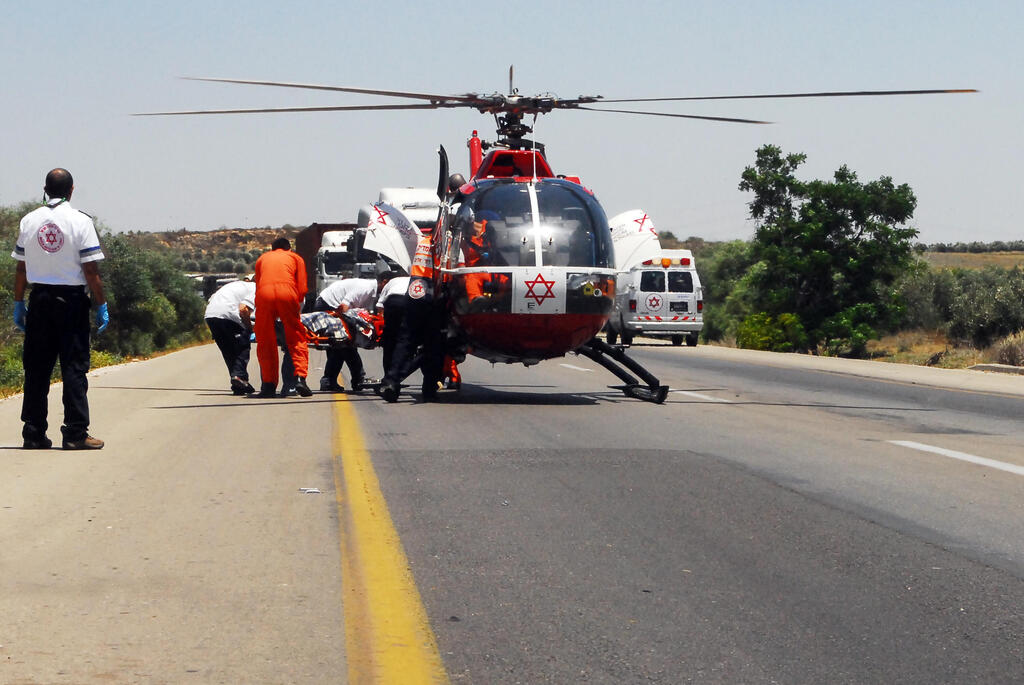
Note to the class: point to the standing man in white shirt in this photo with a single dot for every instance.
(57, 252)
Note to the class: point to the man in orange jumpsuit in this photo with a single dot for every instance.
(280, 290)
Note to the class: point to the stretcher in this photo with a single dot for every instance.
(353, 328)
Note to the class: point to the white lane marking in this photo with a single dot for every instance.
(575, 368)
(699, 396)
(963, 456)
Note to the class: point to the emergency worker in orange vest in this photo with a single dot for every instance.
(422, 325)
(280, 289)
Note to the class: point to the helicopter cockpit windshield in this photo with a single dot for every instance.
(551, 223)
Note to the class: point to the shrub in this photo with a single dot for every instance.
(847, 333)
(762, 332)
(1010, 350)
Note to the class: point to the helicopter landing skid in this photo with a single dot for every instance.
(614, 359)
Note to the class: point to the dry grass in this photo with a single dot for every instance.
(971, 260)
(924, 348)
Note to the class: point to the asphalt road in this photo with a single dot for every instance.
(779, 519)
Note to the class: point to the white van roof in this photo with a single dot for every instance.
(677, 254)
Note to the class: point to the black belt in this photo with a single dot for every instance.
(50, 287)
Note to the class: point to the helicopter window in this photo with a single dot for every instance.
(652, 281)
(680, 282)
(571, 229)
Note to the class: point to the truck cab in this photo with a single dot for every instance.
(334, 259)
(663, 297)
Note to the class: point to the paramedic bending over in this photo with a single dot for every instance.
(340, 296)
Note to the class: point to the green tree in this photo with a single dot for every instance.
(723, 268)
(152, 304)
(828, 252)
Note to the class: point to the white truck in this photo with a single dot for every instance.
(658, 291)
(334, 261)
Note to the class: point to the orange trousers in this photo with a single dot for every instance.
(279, 302)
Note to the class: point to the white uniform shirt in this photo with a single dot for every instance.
(224, 303)
(396, 286)
(54, 242)
(354, 292)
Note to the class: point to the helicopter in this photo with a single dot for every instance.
(524, 258)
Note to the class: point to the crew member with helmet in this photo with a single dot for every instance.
(280, 289)
(477, 250)
(57, 252)
(229, 317)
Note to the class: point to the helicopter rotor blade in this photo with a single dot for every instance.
(467, 98)
(823, 94)
(271, 110)
(679, 116)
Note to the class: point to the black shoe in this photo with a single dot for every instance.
(326, 385)
(389, 390)
(241, 387)
(301, 387)
(86, 443)
(43, 443)
(267, 390)
(286, 392)
(430, 392)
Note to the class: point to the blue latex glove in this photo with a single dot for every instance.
(252, 337)
(20, 311)
(102, 318)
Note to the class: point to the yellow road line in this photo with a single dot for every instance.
(387, 635)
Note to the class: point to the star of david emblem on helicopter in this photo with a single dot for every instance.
(534, 294)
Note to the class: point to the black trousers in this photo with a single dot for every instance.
(233, 342)
(394, 315)
(421, 325)
(56, 327)
(344, 355)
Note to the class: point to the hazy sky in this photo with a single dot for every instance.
(73, 72)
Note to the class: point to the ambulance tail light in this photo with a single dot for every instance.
(684, 261)
(700, 305)
(632, 305)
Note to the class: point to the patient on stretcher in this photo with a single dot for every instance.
(358, 327)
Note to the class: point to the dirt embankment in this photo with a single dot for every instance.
(225, 238)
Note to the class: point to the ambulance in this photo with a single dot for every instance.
(660, 296)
